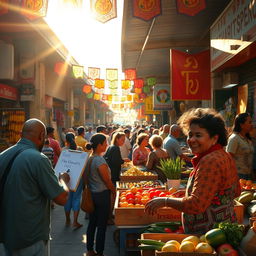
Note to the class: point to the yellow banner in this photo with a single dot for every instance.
(149, 106)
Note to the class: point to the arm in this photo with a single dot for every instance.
(62, 198)
(103, 171)
(232, 146)
(150, 161)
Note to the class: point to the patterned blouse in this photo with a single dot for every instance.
(140, 157)
(211, 189)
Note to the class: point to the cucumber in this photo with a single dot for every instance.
(167, 223)
(150, 247)
(151, 242)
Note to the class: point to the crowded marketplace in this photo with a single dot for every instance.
(127, 127)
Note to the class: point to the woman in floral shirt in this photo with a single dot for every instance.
(213, 184)
(141, 152)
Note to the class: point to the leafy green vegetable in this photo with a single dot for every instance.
(234, 232)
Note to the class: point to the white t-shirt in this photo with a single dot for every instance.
(125, 149)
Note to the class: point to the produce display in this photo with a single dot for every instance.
(134, 171)
(248, 199)
(224, 239)
(165, 227)
(141, 184)
(136, 197)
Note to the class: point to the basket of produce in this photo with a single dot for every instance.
(247, 185)
(121, 185)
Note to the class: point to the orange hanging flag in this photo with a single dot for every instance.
(190, 7)
(138, 90)
(96, 96)
(126, 84)
(190, 76)
(34, 9)
(99, 83)
(103, 10)
(87, 88)
(94, 73)
(145, 9)
(130, 74)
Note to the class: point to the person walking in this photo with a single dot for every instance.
(25, 198)
(125, 149)
(101, 188)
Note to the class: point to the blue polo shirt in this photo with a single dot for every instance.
(172, 146)
(30, 186)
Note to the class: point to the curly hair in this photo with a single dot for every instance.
(206, 118)
(141, 137)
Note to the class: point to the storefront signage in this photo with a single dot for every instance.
(27, 92)
(161, 97)
(233, 31)
(8, 92)
(149, 107)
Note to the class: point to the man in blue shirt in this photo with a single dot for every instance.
(29, 187)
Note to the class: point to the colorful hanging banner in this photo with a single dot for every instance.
(34, 9)
(125, 84)
(99, 83)
(87, 88)
(109, 98)
(89, 95)
(104, 97)
(146, 89)
(94, 73)
(111, 74)
(191, 7)
(61, 68)
(151, 81)
(114, 91)
(161, 97)
(130, 74)
(96, 96)
(138, 90)
(77, 71)
(142, 95)
(129, 97)
(149, 106)
(138, 83)
(4, 6)
(113, 84)
(103, 10)
(146, 10)
(115, 98)
(190, 76)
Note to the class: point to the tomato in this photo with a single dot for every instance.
(215, 237)
(157, 192)
(162, 194)
(129, 195)
(130, 201)
(167, 230)
(152, 194)
(152, 189)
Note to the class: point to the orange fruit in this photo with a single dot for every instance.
(134, 190)
(170, 248)
(173, 242)
(123, 199)
(144, 200)
(124, 204)
(187, 246)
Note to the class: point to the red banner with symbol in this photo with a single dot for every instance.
(145, 9)
(190, 7)
(190, 76)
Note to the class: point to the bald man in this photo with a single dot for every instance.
(28, 189)
(171, 144)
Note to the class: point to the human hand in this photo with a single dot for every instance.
(154, 204)
(64, 176)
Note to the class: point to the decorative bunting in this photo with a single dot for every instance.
(191, 77)
(125, 84)
(115, 98)
(138, 83)
(109, 98)
(89, 95)
(103, 10)
(61, 68)
(138, 90)
(151, 81)
(4, 6)
(104, 97)
(94, 73)
(114, 91)
(123, 98)
(146, 89)
(99, 83)
(142, 95)
(190, 8)
(34, 9)
(78, 71)
(112, 74)
(96, 96)
(145, 9)
(87, 88)
(129, 97)
(113, 84)
(130, 74)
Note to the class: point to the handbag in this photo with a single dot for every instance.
(87, 204)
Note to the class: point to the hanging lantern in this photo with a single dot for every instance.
(87, 88)
(99, 83)
(138, 83)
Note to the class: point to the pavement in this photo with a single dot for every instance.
(68, 242)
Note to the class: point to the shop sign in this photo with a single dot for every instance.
(8, 92)
(149, 107)
(27, 92)
(48, 101)
(233, 31)
(161, 97)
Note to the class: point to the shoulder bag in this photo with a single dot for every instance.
(87, 204)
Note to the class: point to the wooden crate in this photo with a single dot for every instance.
(138, 178)
(121, 185)
(164, 237)
(239, 210)
(132, 216)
